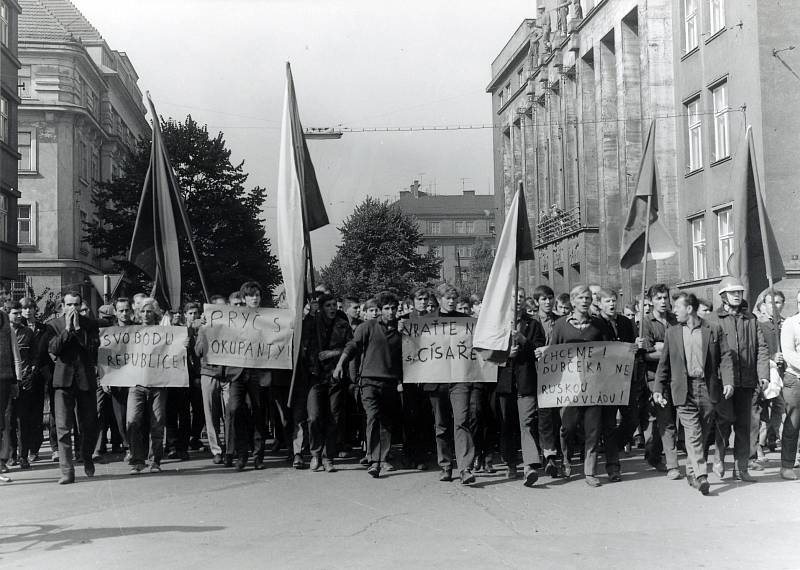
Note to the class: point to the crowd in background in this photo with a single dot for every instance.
(703, 375)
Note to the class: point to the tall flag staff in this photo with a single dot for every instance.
(645, 235)
(154, 245)
(755, 256)
(300, 211)
(497, 320)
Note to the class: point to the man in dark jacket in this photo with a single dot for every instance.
(750, 364)
(516, 396)
(695, 367)
(330, 333)
(74, 340)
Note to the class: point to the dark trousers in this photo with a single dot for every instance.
(416, 419)
(179, 419)
(6, 414)
(696, 418)
(198, 413)
(325, 406)
(632, 413)
(738, 412)
(27, 422)
(38, 410)
(508, 420)
(662, 434)
(486, 424)
(241, 420)
(791, 425)
(443, 427)
(464, 401)
(597, 421)
(107, 418)
(378, 396)
(69, 403)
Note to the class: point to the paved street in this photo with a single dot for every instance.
(195, 514)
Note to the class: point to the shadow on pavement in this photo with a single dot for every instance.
(55, 537)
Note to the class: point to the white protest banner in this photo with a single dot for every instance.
(248, 338)
(439, 349)
(585, 374)
(151, 356)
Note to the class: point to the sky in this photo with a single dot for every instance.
(356, 63)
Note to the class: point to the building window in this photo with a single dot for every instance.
(725, 234)
(469, 227)
(25, 82)
(491, 229)
(501, 98)
(459, 227)
(3, 119)
(464, 251)
(698, 226)
(521, 77)
(26, 146)
(719, 95)
(690, 29)
(435, 250)
(82, 233)
(24, 225)
(716, 15)
(434, 228)
(3, 218)
(84, 158)
(95, 167)
(3, 23)
(694, 125)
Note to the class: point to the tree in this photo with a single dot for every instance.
(482, 260)
(379, 252)
(225, 218)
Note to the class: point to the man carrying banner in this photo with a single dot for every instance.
(549, 419)
(516, 396)
(455, 408)
(696, 368)
(147, 411)
(750, 357)
(379, 343)
(73, 343)
(577, 327)
(662, 434)
(246, 382)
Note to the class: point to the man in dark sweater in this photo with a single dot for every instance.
(581, 326)
(379, 343)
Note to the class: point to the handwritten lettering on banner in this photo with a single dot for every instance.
(248, 338)
(585, 374)
(143, 356)
(440, 350)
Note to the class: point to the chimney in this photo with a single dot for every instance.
(415, 189)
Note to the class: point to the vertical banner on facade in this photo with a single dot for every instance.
(152, 356)
(248, 338)
(585, 374)
(439, 349)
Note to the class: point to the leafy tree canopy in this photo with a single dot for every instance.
(379, 252)
(225, 217)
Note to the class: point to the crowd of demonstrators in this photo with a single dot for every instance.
(701, 375)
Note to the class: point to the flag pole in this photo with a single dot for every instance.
(644, 263)
(520, 189)
(761, 207)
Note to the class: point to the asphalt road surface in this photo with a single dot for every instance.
(198, 515)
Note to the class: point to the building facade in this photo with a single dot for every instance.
(574, 92)
(452, 225)
(81, 112)
(733, 68)
(9, 102)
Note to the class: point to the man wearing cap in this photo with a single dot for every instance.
(750, 363)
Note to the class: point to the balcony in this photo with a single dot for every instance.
(557, 224)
